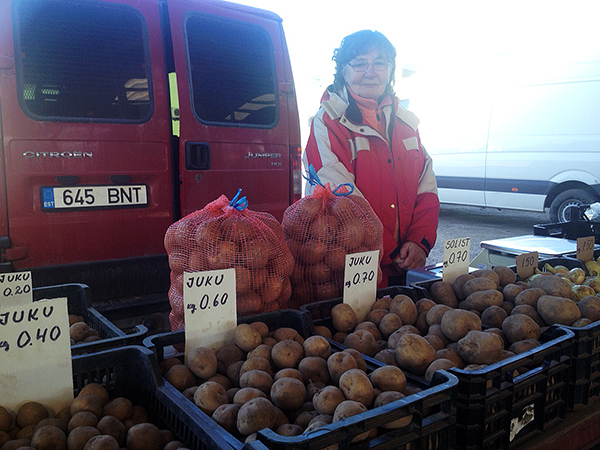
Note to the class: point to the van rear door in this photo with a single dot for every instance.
(233, 105)
(85, 133)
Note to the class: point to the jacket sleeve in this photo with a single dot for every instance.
(328, 150)
(423, 228)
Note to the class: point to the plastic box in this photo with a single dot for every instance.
(132, 372)
(432, 409)
(79, 303)
(569, 230)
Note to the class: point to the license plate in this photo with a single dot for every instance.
(72, 197)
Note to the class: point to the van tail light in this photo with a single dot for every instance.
(296, 166)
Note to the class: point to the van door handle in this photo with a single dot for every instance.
(197, 156)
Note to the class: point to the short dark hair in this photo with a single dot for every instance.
(357, 44)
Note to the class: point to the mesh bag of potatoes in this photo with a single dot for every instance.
(320, 230)
(226, 234)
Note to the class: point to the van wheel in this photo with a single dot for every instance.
(560, 209)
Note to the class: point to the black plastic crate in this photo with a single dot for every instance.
(320, 312)
(508, 402)
(79, 303)
(132, 372)
(433, 408)
(569, 230)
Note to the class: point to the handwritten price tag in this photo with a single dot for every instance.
(456, 258)
(15, 289)
(360, 282)
(585, 248)
(210, 308)
(35, 354)
(526, 264)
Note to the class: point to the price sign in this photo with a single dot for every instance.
(360, 282)
(585, 248)
(209, 303)
(526, 264)
(456, 258)
(15, 289)
(35, 354)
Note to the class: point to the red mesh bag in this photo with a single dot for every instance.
(226, 235)
(320, 230)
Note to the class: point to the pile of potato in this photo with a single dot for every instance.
(80, 331)
(279, 380)
(92, 421)
(481, 318)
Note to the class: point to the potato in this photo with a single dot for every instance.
(363, 341)
(233, 372)
(246, 394)
(388, 324)
(523, 346)
(350, 408)
(100, 391)
(344, 317)
(414, 353)
(258, 379)
(558, 310)
(487, 273)
(180, 376)
(552, 285)
(202, 361)
(6, 419)
(102, 442)
(246, 337)
(387, 356)
(255, 363)
(288, 393)
(317, 346)
(478, 284)
(382, 303)
(144, 436)
(480, 300)
(355, 385)
(456, 323)
(434, 315)
(529, 297)
(209, 396)
(404, 306)
(438, 364)
(452, 355)
(388, 378)
(79, 436)
(226, 416)
(505, 275)
(87, 402)
(338, 363)
(387, 397)
(518, 327)
(289, 429)
(528, 311)
(81, 419)
(435, 341)
(288, 372)
(227, 355)
(493, 316)
(589, 306)
(396, 335)
(371, 328)
(287, 353)
(255, 415)
(113, 427)
(442, 293)
(479, 347)
(31, 413)
(283, 333)
(323, 331)
(510, 292)
(458, 283)
(314, 368)
(326, 400)
(375, 316)
(49, 438)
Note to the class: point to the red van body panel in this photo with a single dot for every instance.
(51, 164)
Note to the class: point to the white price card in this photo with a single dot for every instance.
(585, 248)
(526, 264)
(15, 289)
(35, 355)
(360, 282)
(456, 258)
(210, 311)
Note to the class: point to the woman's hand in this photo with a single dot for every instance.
(411, 256)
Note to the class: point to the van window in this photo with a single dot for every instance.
(82, 61)
(232, 72)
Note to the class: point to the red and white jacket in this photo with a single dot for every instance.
(397, 179)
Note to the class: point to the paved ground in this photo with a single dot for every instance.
(481, 224)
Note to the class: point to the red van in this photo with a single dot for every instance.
(118, 117)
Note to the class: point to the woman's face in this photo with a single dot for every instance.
(370, 83)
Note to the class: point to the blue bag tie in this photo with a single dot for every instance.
(237, 202)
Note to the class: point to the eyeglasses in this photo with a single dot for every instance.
(378, 66)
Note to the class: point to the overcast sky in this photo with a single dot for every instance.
(443, 40)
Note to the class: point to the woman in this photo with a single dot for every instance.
(361, 135)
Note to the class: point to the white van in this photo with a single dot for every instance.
(531, 145)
